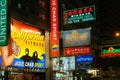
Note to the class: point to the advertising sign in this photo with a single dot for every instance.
(3, 22)
(63, 63)
(32, 46)
(54, 25)
(110, 51)
(71, 63)
(79, 37)
(77, 50)
(79, 15)
(26, 47)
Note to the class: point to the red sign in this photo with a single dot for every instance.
(54, 38)
(77, 50)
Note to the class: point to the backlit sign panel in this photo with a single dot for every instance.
(77, 50)
(83, 59)
(79, 15)
(110, 51)
(78, 37)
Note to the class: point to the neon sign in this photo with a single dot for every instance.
(79, 15)
(110, 51)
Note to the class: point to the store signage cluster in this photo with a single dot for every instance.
(3, 22)
(110, 51)
(79, 15)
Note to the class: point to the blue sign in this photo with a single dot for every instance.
(40, 64)
(83, 59)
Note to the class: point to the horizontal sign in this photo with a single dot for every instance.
(78, 37)
(110, 51)
(77, 50)
(82, 59)
(79, 15)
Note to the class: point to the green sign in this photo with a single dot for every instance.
(111, 51)
(79, 15)
(3, 22)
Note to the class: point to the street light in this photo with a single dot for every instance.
(117, 34)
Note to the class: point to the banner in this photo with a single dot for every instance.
(54, 27)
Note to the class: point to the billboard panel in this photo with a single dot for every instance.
(26, 47)
(78, 37)
(32, 46)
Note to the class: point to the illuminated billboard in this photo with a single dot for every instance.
(26, 47)
(110, 51)
(78, 37)
(79, 15)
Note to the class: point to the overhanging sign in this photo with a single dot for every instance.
(110, 51)
(3, 22)
(79, 15)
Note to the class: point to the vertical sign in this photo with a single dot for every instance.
(3, 22)
(54, 38)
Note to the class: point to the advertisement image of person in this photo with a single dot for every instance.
(8, 53)
(26, 57)
(35, 57)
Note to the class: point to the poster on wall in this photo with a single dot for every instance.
(79, 37)
(26, 47)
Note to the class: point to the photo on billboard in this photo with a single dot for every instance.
(64, 63)
(26, 48)
(55, 64)
(71, 63)
(78, 37)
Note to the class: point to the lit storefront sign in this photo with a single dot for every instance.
(110, 51)
(3, 22)
(78, 37)
(79, 15)
(54, 35)
(77, 50)
(82, 59)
